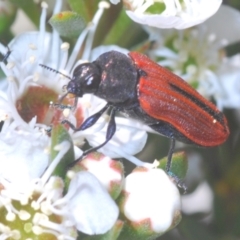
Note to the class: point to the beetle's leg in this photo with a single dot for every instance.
(170, 153)
(168, 167)
(178, 181)
(62, 106)
(88, 122)
(111, 129)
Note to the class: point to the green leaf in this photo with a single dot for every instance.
(112, 234)
(58, 135)
(179, 164)
(7, 16)
(31, 9)
(68, 24)
(156, 8)
(192, 229)
(124, 32)
(85, 8)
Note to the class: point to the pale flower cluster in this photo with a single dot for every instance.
(170, 13)
(198, 56)
(84, 199)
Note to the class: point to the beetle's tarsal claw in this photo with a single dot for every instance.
(178, 181)
(62, 98)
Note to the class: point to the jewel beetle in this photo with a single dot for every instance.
(144, 90)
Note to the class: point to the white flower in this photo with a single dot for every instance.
(114, 1)
(199, 201)
(27, 190)
(31, 88)
(89, 205)
(171, 13)
(150, 196)
(25, 178)
(197, 56)
(109, 172)
(25, 175)
(23, 154)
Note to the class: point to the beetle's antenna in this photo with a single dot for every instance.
(54, 70)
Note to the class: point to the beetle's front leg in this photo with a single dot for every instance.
(111, 129)
(90, 121)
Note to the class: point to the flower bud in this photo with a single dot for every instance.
(109, 172)
(151, 202)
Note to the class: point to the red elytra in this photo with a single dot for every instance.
(145, 91)
(165, 96)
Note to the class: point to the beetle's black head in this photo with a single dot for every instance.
(86, 79)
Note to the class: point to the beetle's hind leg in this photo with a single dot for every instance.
(170, 153)
(177, 180)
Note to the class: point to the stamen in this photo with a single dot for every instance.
(36, 77)
(32, 59)
(11, 78)
(16, 235)
(90, 30)
(133, 159)
(65, 46)
(43, 225)
(42, 29)
(32, 46)
(170, 7)
(87, 50)
(23, 84)
(57, 7)
(10, 65)
(189, 6)
(10, 216)
(66, 112)
(55, 41)
(144, 7)
(62, 148)
(76, 48)
(45, 208)
(24, 215)
(64, 57)
(178, 5)
(28, 227)
(37, 230)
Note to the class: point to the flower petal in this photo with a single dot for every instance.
(22, 155)
(92, 208)
(179, 17)
(218, 25)
(128, 137)
(150, 194)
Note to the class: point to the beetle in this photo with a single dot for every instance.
(144, 90)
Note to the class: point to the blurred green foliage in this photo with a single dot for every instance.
(221, 165)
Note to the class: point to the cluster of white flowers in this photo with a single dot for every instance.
(198, 56)
(170, 13)
(84, 201)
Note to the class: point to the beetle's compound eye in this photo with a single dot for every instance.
(86, 77)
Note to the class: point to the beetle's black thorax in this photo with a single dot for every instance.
(119, 79)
